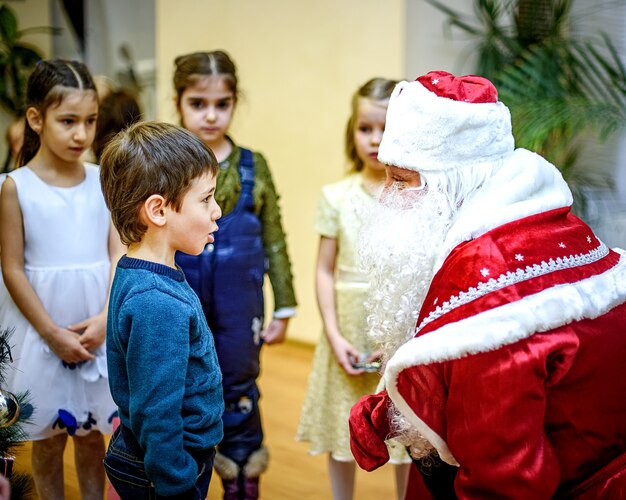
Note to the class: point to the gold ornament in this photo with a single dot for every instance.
(9, 409)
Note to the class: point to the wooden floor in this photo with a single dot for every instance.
(293, 474)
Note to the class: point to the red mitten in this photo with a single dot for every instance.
(369, 427)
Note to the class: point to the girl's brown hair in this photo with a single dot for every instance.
(118, 110)
(47, 86)
(376, 89)
(191, 67)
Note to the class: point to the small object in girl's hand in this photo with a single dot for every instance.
(362, 364)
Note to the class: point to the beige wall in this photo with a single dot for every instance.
(299, 62)
(33, 13)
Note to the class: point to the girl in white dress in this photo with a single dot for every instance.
(57, 245)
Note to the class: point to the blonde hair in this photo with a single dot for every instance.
(376, 89)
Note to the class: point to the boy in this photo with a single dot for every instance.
(159, 184)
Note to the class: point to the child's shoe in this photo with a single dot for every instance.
(231, 489)
(257, 462)
(250, 488)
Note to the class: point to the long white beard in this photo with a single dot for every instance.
(397, 249)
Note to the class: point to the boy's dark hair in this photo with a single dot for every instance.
(47, 85)
(145, 159)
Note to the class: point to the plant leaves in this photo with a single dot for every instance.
(8, 26)
(17, 60)
(558, 88)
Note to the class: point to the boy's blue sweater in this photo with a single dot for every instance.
(163, 370)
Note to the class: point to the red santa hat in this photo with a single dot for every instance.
(442, 122)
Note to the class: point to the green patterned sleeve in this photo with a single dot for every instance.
(279, 266)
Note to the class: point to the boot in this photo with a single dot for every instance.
(228, 471)
(257, 462)
(231, 489)
(250, 488)
(225, 467)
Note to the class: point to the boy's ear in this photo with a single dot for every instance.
(34, 119)
(154, 209)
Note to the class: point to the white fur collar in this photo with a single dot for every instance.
(526, 184)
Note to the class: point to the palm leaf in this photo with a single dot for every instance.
(558, 88)
(8, 25)
(17, 60)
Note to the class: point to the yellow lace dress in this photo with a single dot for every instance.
(331, 392)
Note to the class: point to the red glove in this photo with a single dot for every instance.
(369, 427)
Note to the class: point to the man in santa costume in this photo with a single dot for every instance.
(515, 372)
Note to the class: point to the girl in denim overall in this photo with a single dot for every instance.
(228, 275)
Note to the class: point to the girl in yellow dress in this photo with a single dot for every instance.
(344, 365)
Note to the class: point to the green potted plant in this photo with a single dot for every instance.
(560, 89)
(17, 60)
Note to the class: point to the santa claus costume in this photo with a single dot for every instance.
(515, 374)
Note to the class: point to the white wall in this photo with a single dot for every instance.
(64, 45)
(606, 207)
(429, 46)
(109, 24)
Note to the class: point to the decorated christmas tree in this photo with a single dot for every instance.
(14, 410)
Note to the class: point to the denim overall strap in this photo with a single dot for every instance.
(199, 270)
(246, 171)
(238, 274)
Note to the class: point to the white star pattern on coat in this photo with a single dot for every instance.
(588, 239)
(511, 278)
(519, 257)
(435, 81)
(484, 271)
(562, 245)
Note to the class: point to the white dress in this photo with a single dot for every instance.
(67, 262)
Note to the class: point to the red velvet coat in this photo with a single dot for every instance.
(516, 373)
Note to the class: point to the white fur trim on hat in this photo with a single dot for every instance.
(426, 132)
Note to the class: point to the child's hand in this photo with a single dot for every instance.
(66, 345)
(276, 331)
(375, 356)
(92, 331)
(345, 353)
